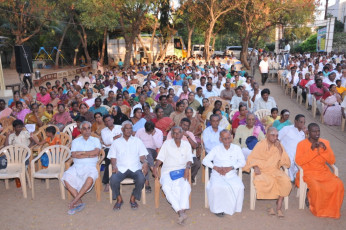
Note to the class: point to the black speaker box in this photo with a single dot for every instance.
(23, 59)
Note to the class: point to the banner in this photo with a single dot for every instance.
(321, 39)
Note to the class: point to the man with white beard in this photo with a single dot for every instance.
(225, 189)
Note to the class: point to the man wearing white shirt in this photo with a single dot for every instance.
(330, 79)
(142, 99)
(293, 77)
(81, 176)
(236, 99)
(287, 54)
(212, 133)
(152, 138)
(290, 136)
(127, 154)
(210, 92)
(225, 189)
(199, 95)
(245, 99)
(255, 92)
(218, 88)
(265, 101)
(264, 69)
(111, 87)
(83, 79)
(176, 157)
(109, 134)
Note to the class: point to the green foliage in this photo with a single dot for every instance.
(339, 41)
(309, 45)
(339, 26)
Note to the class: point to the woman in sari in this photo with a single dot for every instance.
(117, 115)
(54, 99)
(137, 120)
(147, 114)
(127, 98)
(124, 105)
(85, 89)
(162, 123)
(239, 118)
(269, 120)
(68, 99)
(43, 96)
(47, 114)
(98, 125)
(62, 117)
(89, 100)
(34, 117)
(16, 97)
(20, 112)
(4, 112)
(179, 113)
(88, 115)
(171, 101)
(283, 121)
(196, 125)
(26, 96)
(331, 107)
(206, 110)
(74, 113)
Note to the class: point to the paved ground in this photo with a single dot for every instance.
(49, 211)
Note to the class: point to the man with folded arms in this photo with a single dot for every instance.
(225, 189)
(176, 156)
(81, 176)
(127, 154)
(326, 191)
(270, 181)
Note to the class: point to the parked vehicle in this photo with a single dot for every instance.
(197, 50)
(236, 50)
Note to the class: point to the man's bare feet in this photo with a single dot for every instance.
(74, 203)
(280, 214)
(271, 212)
(182, 217)
(106, 188)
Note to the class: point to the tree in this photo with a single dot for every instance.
(25, 18)
(255, 17)
(210, 12)
(98, 15)
(132, 20)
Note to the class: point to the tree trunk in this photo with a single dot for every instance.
(59, 46)
(244, 51)
(84, 39)
(207, 37)
(213, 42)
(13, 60)
(189, 36)
(151, 48)
(75, 55)
(103, 46)
(144, 47)
(129, 48)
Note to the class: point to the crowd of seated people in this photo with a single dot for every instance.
(185, 107)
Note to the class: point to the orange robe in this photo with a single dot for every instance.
(326, 191)
(272, 182)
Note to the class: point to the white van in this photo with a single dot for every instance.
(236, 51)
(199, 49)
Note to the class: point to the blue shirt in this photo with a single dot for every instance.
(131, 89)
(80, 144)
(101, 109)
(180, 82)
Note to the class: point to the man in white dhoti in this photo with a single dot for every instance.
(225, 189)
(290, 136)
(175, 154)
(80, 177)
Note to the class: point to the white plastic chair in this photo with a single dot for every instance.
(69, 129)
(313, 106)
(57, 156)
(16, 156)
(262, 113)
(299, 95)
(127, 181)
(206, 202)
(253, 195)
(343, 121)
(232, 113)
(301, 193)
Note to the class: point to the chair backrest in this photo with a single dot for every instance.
(213, 99)
(106, 106)
(2, 140)
(7, 121)
(261, 113)
(16, 154)
(57, 154)
(65, 139)
(41, 133)
(69, 129)
(232, 113)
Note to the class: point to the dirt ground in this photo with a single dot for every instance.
(49, 211)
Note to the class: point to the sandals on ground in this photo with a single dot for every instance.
(134, 205)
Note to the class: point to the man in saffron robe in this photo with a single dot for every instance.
(326, 191)
(270, 181)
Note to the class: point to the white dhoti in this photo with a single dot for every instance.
(225, 193)
(177, 192)
(77, 175)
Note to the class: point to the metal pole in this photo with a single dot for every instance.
(326, 11)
